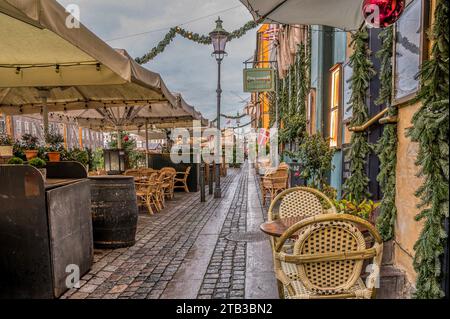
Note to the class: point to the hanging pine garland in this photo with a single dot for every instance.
(357, 184)
(195, 37)
(430, 130)
(293, 100)
(387, 146)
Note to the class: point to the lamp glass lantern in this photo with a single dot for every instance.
(219, 38)
(115, 161)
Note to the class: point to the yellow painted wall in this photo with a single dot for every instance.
(263, 54)
(407, 229)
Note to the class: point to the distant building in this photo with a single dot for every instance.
(74, 136)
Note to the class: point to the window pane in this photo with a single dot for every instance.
(407, 50)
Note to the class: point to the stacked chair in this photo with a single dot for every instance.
(274, 181)
(153, 187)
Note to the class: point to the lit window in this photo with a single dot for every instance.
(335, 104)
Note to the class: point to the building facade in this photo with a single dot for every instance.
(329, 113)
(74, 136)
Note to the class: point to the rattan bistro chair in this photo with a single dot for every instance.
(273, 183)
(170, 179)
(182, 177)
(147, 192)
(297, 202)
(328, 257)
(300, 201)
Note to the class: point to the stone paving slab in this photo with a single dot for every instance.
(184, 252)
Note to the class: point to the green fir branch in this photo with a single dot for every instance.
(195, 37)
(386, 148)
(430, 131)
(357, 184)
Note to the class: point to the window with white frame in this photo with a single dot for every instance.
(335, 105)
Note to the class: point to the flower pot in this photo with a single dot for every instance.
(6, 151)
(30, 154)
(54, 156)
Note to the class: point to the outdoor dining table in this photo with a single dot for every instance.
(278, 227)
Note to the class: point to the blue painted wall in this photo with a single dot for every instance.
(339, 56)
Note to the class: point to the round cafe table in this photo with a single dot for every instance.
(278, 227)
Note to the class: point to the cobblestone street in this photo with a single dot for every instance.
(191, 250)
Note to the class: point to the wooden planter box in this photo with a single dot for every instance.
(44, 228)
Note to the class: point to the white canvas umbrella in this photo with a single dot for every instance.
(342, 14)
(44, 62)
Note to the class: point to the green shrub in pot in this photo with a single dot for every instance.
(15, 161)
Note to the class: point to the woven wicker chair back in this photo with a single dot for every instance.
(329, 277)
(300, 203)
(169, 169)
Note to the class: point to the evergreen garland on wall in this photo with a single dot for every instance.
(357, 184)
(387, 146)
(430, 130)
(198, 38)
(293, 99)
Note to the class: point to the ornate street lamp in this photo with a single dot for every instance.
(219, 38)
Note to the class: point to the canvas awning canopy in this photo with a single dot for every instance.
(75, 68)
(342, 14)
(133, 117)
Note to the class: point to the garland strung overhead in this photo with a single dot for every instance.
(198, 38)
(431, 130)
(357, 184)
(230, 117)
(387, 146)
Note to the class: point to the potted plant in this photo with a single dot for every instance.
(55, 143)
(350, 206)
(30, 146)
(40, 164)
(6, 146)
(15, 161)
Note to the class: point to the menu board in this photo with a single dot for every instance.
(407, 51)
(347, 91)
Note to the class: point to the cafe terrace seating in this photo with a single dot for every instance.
(328, 257)
(274, 182)
(181, 178)
(153, 187)
(297, 202)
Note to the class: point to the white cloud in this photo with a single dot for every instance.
(185, 66)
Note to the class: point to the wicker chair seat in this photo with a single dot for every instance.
(327, 258)
(359, 289)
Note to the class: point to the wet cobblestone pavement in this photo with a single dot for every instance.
(182, 252)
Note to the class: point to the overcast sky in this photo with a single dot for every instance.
(185, 66)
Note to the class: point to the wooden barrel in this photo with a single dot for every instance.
(114, 211)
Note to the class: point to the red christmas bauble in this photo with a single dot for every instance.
(382, 13)
(126, 138)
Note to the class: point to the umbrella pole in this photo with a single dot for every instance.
(44, 94)
(146, 144)
(119, 140)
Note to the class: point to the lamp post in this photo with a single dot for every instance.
(219, 38)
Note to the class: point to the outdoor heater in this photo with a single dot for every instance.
(115, 161)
